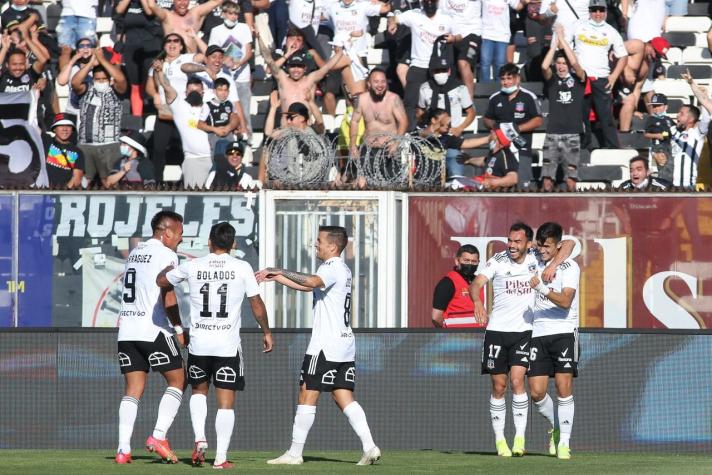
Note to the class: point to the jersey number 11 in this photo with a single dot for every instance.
(222, 292)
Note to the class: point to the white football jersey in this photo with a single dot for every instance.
(512, 293)
(346, 20)
(466, 15)
(424, 31)
(331, 331)
(549, 318)
(142, 316)
(218, 284)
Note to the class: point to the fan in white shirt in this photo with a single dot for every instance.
(148, 320)
(329, 360)
(218, 283)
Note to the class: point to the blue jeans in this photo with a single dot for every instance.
(278, 21)
(492, 53)
(676, 7)
(71, 29)
(451, 164)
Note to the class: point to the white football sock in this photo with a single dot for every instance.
(546, 408)
(127, 417)
(498, 414)
(357, 418)
(198, 414)
(566, 418)
(520, 411)
(303, 421)
(224, 424)
(167, 410)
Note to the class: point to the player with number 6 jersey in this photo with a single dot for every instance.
(329, 361)
(218, 283)
(146, 338)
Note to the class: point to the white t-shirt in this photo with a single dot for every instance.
(175, 76)
(331, 332)
(424, 31)
(218, 283)
(459, 100)
(495, 19)
(549, 318)
(82, 8)
(647, 20)
(466, 15)
(349, 19)
(303, 13)
(234, 41)
(209, 86)
(186, 117)
(565, 15)
(512, 294)
(142, 316)
(592, 44)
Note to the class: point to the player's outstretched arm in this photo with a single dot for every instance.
(567, 247)
(475, 288)
(292, 279)
(260, 313)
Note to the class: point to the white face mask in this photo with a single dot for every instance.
(493, 145)
(125, 150)
(229, 23)
(102, 87)
(441, 78)
(509, 90)
(598, 23)
(19, 8)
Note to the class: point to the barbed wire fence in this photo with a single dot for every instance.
(303, 159)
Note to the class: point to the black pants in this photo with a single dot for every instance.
(167, 146)
(415, 78)
(601, 101)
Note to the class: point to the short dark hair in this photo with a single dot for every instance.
(509, 69)
(161, 220)
(434, 114)
(221, 82)
(376, 69)
(99, 69)
(694, 110)
(193, 79)
(293, 31)
(520, 226)
(561, 54)
(13, 52)
(467, 248)
(549, 230)
(639, 158)
(337, 235)
(222, 236)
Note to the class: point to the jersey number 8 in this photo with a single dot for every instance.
(347, 310)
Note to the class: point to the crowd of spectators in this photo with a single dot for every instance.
(191, 65)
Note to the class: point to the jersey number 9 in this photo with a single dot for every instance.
(130, 285)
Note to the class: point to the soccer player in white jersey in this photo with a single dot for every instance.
(329, 360)
(147, 322)
(218, 282)
(554, 345)
(505, 351)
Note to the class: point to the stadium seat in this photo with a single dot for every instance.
(633, 140)
(639, 123)
(480, 104)
(535, 87)
(486, 89)
(377, 57)
(701, 71)
(687, 23)
(699, 9)
(674, 56)
(681, 39)
(695, 55)
(328, 122)
(612, 156)
(674, 106)
(340, 107)
(473, 126)
(53, 12)
(262, 88)
(673, 88)
(149, 124)
(105, 41)
(701, 39)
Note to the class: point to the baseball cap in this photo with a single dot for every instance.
(658, 99)
(214, 49)
(661, 46)
(61, 119)
(135, 139)
(298, 108)
(502, 137)
(597, 3)
(236, 146)
(296, 60)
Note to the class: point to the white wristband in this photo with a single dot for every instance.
(542, 289)
(178, 329)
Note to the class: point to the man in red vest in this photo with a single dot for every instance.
(452, 305)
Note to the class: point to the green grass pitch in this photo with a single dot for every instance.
(27, 462)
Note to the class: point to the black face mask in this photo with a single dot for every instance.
(467, 271)
(430, 8)
(194, 98)
(376, 97)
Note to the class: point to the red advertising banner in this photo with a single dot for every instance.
(645, 259)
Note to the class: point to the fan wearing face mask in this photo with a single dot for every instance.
(452, 304)
(444, 90)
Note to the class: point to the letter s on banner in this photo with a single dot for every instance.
(665, 307)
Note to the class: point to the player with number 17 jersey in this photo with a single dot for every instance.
(331, 331)
(218, 284)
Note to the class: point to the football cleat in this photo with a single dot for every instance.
(223, 465)
(370, 457)
(553, 441)
(503, 448)
(518, 446)
(198, 456)
(162, 448)
(564, 453)
(122, 458)
(286, 459)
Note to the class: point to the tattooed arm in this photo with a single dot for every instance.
(292, 279)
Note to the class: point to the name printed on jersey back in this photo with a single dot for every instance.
(215, 275)
(139, 258)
